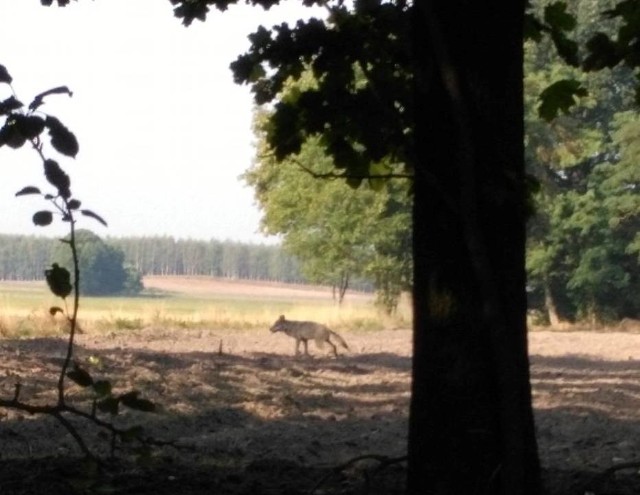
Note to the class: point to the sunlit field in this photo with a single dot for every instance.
(192, 303)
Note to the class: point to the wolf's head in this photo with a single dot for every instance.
(278, 325)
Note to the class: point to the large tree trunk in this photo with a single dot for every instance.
(471, 422)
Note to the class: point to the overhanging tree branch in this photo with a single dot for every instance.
(345, 175)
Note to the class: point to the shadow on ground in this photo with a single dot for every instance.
(259, 422)
(267, 423)
(588, 424)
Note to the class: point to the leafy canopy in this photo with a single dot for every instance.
(359, 57)
(337, 233)
(579, 145)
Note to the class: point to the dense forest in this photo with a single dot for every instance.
(583, 240)
(26, 257)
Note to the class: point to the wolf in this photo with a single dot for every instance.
(303, 331)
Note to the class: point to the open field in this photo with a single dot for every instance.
(246, 416)
(192, 302)
(226, 288)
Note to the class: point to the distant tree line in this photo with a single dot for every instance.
(165, 255)
(26, 257)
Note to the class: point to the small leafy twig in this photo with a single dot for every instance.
(26, 126)
(345, 175)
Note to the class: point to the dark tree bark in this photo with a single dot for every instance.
(471, 421)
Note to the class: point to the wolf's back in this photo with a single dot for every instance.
(306, 329)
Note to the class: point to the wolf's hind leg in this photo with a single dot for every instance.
(335, 349)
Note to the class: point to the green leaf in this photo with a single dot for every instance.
(59, 280)
(93, 215)
(109, 405)
(188, 10)
(28, 190)
(131, 400)
(62, 139)
(9, 105)
(102, 388)
(4, 75)
(39, 99)
(42, 218)
(567, 48)
(129, 396)
(257, 72)
(143, 405)
(80, 376)
(560, 96)
(532, 28)
(354, 182)
(10, 135)
(602, 53)
(57, 178)
(558, 18)
(53, 310)
(30, 126)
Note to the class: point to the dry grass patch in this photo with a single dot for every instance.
(193, 303)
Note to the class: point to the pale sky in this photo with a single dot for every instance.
(164, 132)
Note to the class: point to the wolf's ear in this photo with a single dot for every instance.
(281, 318)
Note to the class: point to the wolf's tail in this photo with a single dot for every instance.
(339, 339)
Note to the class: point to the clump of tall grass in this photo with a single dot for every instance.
(118, 323)
(359, 318)
(33, 324)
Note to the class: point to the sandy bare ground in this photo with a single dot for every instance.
(249, 417)
(587, 398)
(200, 285)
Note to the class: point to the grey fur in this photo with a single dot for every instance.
(304, 331)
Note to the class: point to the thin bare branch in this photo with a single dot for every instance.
(334, 175)
(73, 320)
